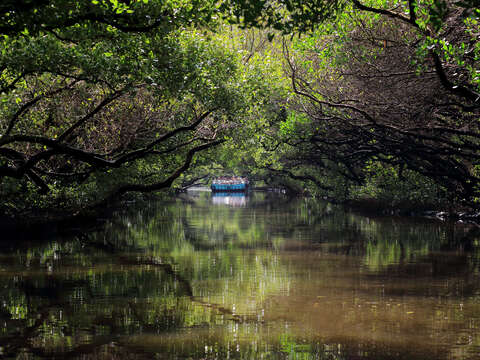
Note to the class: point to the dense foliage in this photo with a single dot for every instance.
(385, 104)
(102, 98)
(374, 99)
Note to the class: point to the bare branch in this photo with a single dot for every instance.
(31, 103)
(115, 95)
(393, 15)
(140, 152)
(10, 86)
(168, 181)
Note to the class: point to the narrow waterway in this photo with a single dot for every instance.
(203, 276)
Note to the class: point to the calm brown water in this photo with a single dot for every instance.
(263, 277)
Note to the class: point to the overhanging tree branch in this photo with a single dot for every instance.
(29, 104)
(57, 147)
(393, 15)
(456, 89)
(168, 181)
(66, 134)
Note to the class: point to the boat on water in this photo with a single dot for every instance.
(229, 184)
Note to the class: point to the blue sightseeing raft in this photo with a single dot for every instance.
(230, 184)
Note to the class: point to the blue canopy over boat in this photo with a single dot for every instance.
(229, 183)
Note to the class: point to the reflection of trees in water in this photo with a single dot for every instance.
(146, 272)
(58, 313)
(81, 289)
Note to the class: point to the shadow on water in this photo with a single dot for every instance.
(242, 277)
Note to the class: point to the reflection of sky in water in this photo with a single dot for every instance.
(229, 198)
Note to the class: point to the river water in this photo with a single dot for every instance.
(204, 276)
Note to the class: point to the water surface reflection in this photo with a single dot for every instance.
(198, 278)
(237, 199)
